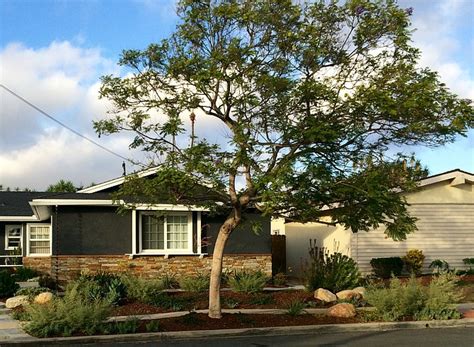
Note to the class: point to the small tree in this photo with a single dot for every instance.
(62, 186)
(313, 95)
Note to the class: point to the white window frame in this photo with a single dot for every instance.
(7, 237)
(188, 250)
(28, 238)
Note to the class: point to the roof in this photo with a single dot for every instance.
(17, 203)
(456, 176)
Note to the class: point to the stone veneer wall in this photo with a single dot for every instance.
(71, 266)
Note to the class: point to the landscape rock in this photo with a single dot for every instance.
(348, 295)
(43, 298)
(324, 295)
(343, 310)
(16, 301)
(360, 290)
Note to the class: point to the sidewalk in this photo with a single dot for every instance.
(11, 333)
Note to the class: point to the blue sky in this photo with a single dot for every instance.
(54, 51)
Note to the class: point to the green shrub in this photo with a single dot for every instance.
(24, 274)
(439, 265)
(197, 283)
(31, 292)
(230, 303)
(47, 281)
(247, 281)
(262, 299)
(413, 300)
(141, 289)
(279, 279)
(169, 281)
(386, 267)
(101, 286)
(413, 260)
(129, 326)
(8, 286)
(20, 314)
(334, 272)
(66, 316)
(152, 326)
(295, 308)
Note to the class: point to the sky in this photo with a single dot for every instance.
(53, 53)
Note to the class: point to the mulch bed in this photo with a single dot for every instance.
(200, 301)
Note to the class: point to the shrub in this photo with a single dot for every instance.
(439, 265)
(169, 281)
(230, 303)
(141, 289)
(400, 300)
(295, 308)
(262, 299)
(279, 279)
(101, 286)
(386, 267)
(25, 273)
(152, 326)
(8, 286)
(247, 281)
(129, 326)
(47, 281)
(66, 316)
(197, 283)
(414, 261)
(334, 272)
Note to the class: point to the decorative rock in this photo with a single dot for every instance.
(344, 310)
(43, 298)
(324, 295)
(360, 290)
(348, 295)
(16, 301)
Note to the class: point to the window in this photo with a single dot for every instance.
(39, 239)
(170, 233)
(13, 237)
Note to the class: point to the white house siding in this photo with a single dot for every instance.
(445, 231)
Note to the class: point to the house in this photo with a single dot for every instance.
(62, 234)
(444, 206)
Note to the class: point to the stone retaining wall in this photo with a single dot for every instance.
(71, 266)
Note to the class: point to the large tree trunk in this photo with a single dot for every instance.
(216, 269)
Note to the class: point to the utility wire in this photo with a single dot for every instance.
(64, 125)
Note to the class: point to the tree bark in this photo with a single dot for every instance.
(216, 268)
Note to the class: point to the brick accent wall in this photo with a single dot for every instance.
(71, 266)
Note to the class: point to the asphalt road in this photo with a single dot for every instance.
(455, 337)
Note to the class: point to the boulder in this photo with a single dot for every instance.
(324, 295)
(43, 298)
(348, 295)
(360, 290)
(343, 310)
(16, 301)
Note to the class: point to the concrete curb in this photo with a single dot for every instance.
(206, 334)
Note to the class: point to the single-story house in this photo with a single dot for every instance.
(63, 234)
(444, 206)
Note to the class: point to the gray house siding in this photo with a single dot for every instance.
(243, 240)
(91, 230)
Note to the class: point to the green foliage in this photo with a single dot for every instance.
(169, 281)
(261, 299)
(414, 300)
(295, 308)
(386, 267)
(334, 272)
(24, 273)
(8, 286)
(66, 316)
(169, 302)
(247, 281)
(47, 281)
(140, 289)
(20, 314)
(191, 318)
(196, 283)
(100, 286)
(439, 265)
(31, 292)
(129, 326)
(230, 303)
(414, 261)
(279, 279)
(152, 326)
(62, 186)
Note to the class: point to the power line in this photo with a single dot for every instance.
(63, 125)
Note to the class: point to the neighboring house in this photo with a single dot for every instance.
(65, 233)
(444, 206)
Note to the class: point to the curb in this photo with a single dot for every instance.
(275, 331)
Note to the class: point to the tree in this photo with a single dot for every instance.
(315, 98)
(62, 186)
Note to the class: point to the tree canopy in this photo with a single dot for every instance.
(317, 98)
(62, 186)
